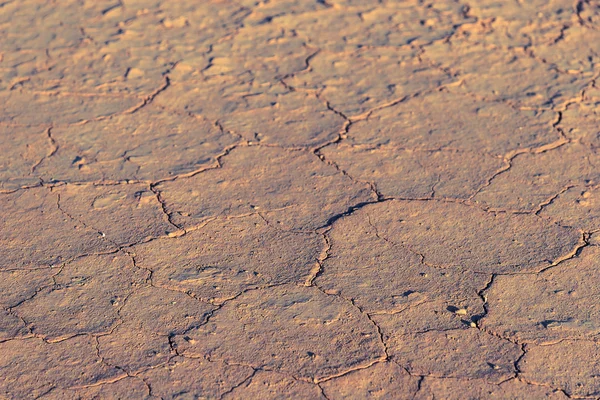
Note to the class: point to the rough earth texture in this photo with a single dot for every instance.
(304, 199)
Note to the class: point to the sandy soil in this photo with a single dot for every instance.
(299, 199)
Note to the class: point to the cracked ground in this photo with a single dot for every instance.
(299, 199)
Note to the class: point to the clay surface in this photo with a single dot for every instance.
(299, 199)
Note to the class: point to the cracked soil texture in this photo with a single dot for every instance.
(300, 199)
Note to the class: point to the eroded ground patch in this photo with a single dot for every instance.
(260, 199)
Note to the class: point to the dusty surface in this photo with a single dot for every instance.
(305, 199)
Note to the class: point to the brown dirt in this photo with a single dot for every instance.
(305, 199)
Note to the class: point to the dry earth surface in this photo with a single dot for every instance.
(303, 199)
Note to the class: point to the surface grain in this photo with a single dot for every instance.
(303, 199)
